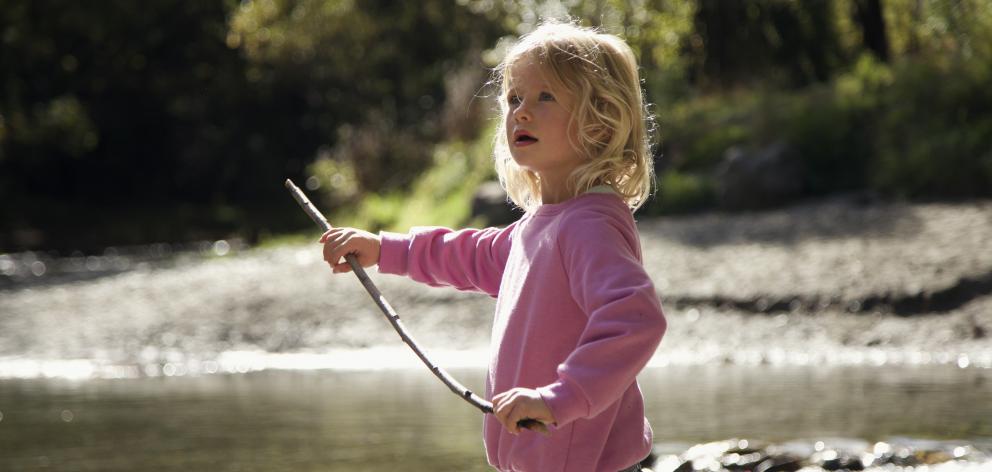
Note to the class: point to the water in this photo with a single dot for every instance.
(155, 360)
(404, 419)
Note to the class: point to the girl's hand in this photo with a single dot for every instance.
(517, 404)
(339, 242)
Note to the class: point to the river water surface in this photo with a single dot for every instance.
(404, 419)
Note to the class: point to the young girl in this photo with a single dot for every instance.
(576, 317)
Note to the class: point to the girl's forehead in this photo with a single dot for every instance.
(526, 72)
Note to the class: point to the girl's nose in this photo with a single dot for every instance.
(522, 113)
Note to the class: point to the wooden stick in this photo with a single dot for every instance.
(394, 319)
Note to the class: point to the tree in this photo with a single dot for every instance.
(869, 16)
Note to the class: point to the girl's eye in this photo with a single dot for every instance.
(545, 96)
(513, 100)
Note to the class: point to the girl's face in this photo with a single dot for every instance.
(537, 124)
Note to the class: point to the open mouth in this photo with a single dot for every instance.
(521, 138)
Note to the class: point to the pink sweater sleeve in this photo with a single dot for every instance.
(470, 259)
(625, 320)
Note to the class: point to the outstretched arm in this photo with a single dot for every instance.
(469, 259)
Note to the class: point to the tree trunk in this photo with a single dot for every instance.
(868, 14)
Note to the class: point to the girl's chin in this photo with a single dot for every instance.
(523, 162)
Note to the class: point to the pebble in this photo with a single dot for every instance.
(746, 455)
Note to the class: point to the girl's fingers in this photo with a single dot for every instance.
(323, 237)
(503, 415)
(343, 246)
(509, 423)
(515, 405)
(332, 248)
(339, 242)
(499, 408)
(504, 412)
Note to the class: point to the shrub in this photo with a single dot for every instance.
(913, 129)
(935, 137)
(681, 193)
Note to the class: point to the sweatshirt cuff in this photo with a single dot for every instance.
(394, 252)
(565, 401)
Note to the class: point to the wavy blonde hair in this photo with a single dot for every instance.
(609, 114)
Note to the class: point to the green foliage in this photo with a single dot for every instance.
(373, 74)
(695, 134)
(940, 30)
(936, 141)
(440, 196)
(210, 105)
(682, 193)
(911, 129)
(196, 110)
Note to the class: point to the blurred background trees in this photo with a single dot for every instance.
(173, 120)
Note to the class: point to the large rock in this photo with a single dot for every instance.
(490, 202)
(751, 180)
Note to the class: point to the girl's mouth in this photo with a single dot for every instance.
(523, 139)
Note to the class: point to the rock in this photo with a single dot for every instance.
(884, 453)
(747, 461)
(933, 457)
(830, 454)
(784, 463)
(490, 202)
(731, 454)
(831, 459)
(769, 177)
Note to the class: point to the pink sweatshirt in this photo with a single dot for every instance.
(576, 318)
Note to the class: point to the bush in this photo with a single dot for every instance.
(441, 195)
(918, 130)
(681, 193)
(935, 137)
(878, 127)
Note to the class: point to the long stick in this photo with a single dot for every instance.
(394, 319)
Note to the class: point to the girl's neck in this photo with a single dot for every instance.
(554, 194)
(551, 197)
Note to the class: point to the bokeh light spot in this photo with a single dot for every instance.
(313, 183)
(7, 266)
(221, 247)
(38, 268)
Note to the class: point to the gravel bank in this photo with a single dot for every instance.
(819, 280)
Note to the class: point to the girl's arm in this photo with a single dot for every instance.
(625, 321)
(469, 259)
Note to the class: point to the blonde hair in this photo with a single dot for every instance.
(600, 71)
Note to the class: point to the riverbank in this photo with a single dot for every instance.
(838, 281)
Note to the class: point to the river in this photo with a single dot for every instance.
(404, 419)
